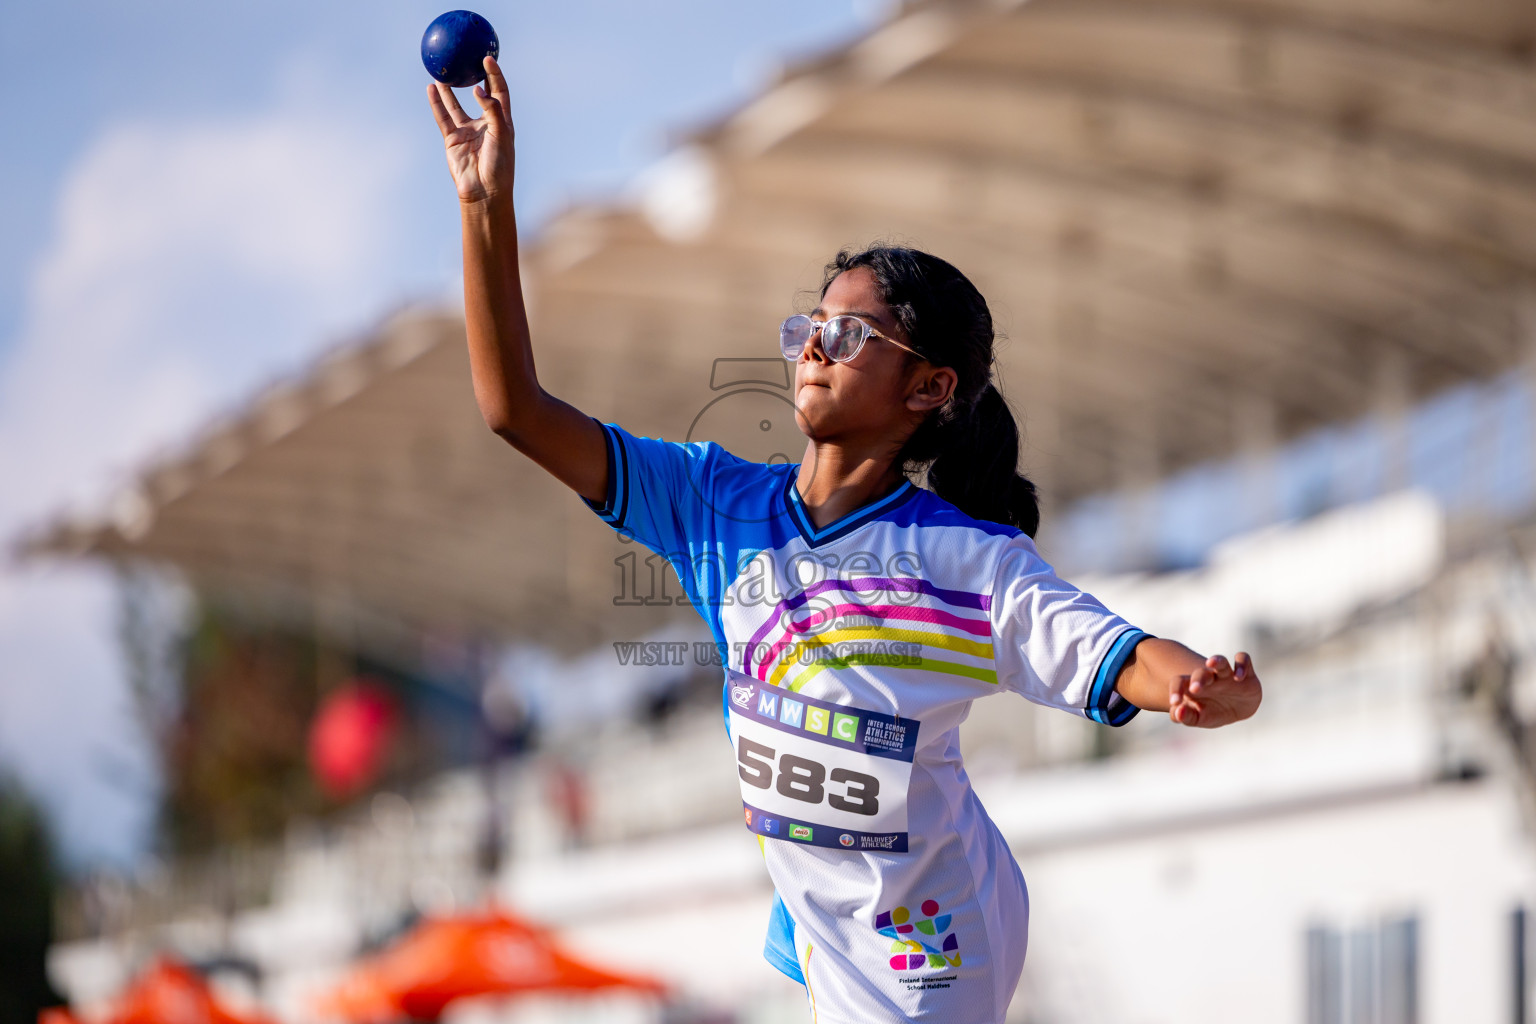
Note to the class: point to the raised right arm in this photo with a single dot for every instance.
(481, 159)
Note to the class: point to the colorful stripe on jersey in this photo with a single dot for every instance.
(960, 632)
(918, 589)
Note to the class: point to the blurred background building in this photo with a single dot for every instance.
(1267, 273)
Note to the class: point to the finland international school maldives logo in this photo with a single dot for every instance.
(770, 826)
(921, 943)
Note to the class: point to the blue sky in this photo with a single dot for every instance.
(195, 198)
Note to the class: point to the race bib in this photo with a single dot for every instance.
(820, 773)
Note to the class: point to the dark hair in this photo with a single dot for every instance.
(970, 445)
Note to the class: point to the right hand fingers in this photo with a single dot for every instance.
(494, 112)
(496, 82)
(450, 104)
(439, 112)
(495, 87)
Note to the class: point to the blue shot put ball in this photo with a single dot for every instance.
(455, 47)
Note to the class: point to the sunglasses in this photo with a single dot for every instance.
(842, 337)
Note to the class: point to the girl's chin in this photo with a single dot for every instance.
(812, 426)
(812, 414)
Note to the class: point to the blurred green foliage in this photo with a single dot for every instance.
(228, 692)
(27, 886)
(234, 749)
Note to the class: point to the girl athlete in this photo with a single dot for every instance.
(860, 615)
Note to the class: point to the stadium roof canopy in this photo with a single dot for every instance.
(1204, 226)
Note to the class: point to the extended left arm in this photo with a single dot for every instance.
(1163, 675)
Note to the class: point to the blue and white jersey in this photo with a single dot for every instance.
(852, 654)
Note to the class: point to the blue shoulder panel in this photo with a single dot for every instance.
(698, 506)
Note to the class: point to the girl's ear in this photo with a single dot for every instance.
(932, 387)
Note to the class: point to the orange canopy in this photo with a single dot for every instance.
(450, 958)
(166, 993)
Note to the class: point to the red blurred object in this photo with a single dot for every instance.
(448, 958)
(166, 993)
(350, 737)
(57, 1015)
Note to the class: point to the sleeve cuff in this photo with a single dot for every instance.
(614, 504)
(1105, 705)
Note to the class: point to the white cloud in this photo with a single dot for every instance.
(189, 262)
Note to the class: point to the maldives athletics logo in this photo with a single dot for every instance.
(921, 943)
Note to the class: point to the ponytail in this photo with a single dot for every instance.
(970, 446)
(976, 469)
